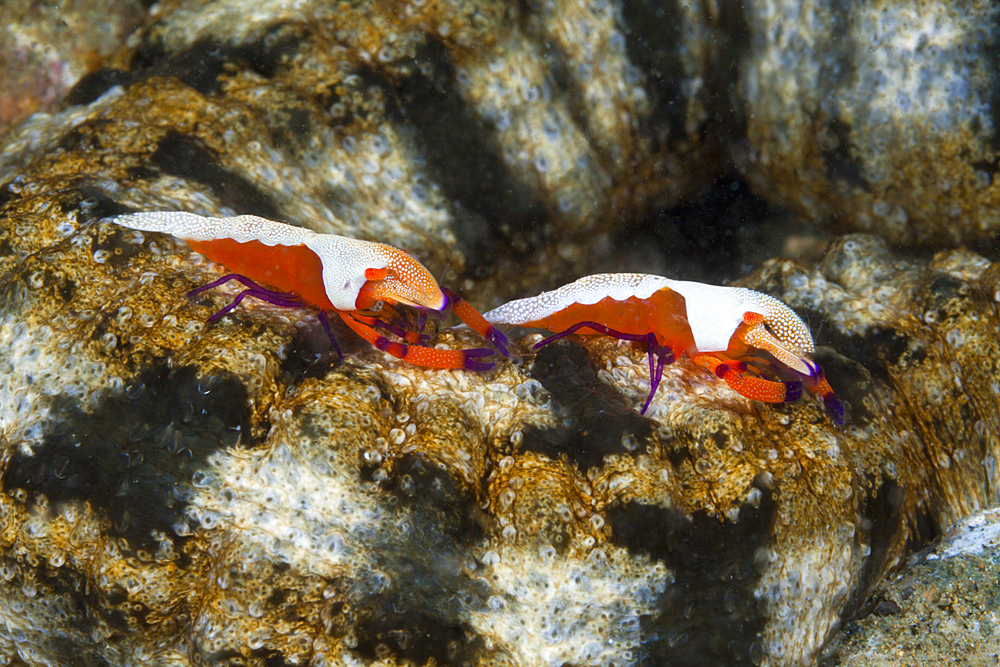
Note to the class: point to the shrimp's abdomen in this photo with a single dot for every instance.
(286, 268)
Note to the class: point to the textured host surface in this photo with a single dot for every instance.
(34, 370)
(537, 586)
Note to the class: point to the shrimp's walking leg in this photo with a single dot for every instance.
(329, 334)
(756, 388)
(397, 327)
(246, 282)
(663, 354)
(279, 299)
(477, 322)
(428, 357)
(600, 328)
(664, 357)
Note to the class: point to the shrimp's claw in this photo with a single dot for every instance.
(790, 350)
(758, 389)
(428, 357)
(474, 319)
(793, 391)
(832, 404)
(834, 408)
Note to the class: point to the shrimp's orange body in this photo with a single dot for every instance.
(295, 269)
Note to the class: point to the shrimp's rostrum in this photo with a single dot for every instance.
(347, 276)
(752, 341)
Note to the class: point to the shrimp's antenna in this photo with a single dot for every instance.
(447, 265)
(444, 272)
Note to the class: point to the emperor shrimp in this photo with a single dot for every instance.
(755, 343)
(293, 267)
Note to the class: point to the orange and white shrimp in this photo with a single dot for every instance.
(744, 337)
(333, 273)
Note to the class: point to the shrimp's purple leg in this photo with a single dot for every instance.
(834, 408)
(663, 354)
(329, 334)
(280, 299)
(600, 328)
(275, 298)
(664, 357)
(397, 328)
(243, 280)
